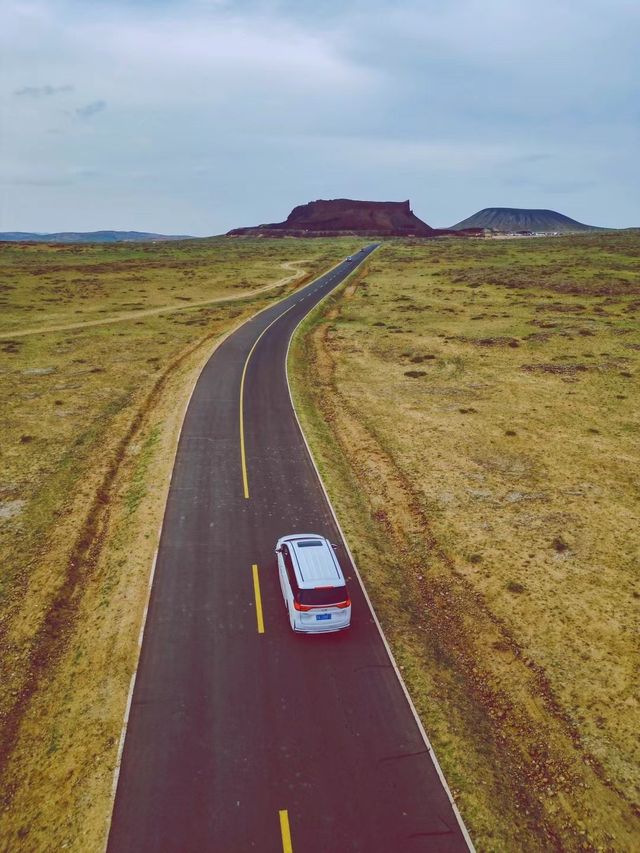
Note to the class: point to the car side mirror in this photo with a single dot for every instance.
(278, 550)
(334, 546)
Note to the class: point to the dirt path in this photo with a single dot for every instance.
(163, 309)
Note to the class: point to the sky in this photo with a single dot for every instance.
(197, 116)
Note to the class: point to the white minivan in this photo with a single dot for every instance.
(312, 583)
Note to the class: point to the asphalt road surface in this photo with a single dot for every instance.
(242, 740)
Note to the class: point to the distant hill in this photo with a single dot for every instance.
(86, 237)
(522, 219)
(344, 216)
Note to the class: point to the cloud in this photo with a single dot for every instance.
(456, 105)
(388, 152)
(42, 91)
(525, 159)
(89, 110)
(557, 187)
(38, 182)
(17, 175)
(214, 54)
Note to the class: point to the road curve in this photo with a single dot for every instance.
(239, 740)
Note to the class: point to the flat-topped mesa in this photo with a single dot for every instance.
(345, 216)
(343, 213)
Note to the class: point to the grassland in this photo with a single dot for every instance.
(99, 349)
(475, 412)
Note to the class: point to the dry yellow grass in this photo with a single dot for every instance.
(46, 285)
(474, 410)
(91, 421)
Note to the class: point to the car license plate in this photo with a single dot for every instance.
(320, 616)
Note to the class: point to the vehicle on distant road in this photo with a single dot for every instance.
(349, 258)
(312, 584)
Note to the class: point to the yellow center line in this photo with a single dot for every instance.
(285, 831)
(256, 590)
(243, 457)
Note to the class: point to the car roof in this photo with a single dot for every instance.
(314, 561)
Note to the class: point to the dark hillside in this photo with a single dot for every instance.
(522, 219)
(345, 216)
(85, 237)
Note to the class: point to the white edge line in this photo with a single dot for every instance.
(132, 684)
(134, 674)
(421, 729)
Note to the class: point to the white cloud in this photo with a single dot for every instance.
(157, 57)
(448, 155)
(450, 102)
(45, 91)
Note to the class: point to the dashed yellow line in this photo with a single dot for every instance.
(243, 457)
(256, 590)
(285, 831)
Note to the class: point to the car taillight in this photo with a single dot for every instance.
(298, 606)
(344, 604)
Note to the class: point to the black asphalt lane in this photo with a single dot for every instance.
(228, 726)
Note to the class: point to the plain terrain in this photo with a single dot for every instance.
(99, 349)
(474, 409)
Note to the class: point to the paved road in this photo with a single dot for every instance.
(239, 740)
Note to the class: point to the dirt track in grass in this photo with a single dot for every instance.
(294, 266)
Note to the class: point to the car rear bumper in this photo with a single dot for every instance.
(313, 629)
(307, 623)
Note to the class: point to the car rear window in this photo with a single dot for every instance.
(332, 595)
(309, 543)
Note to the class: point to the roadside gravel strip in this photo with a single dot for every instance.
(240, 734)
